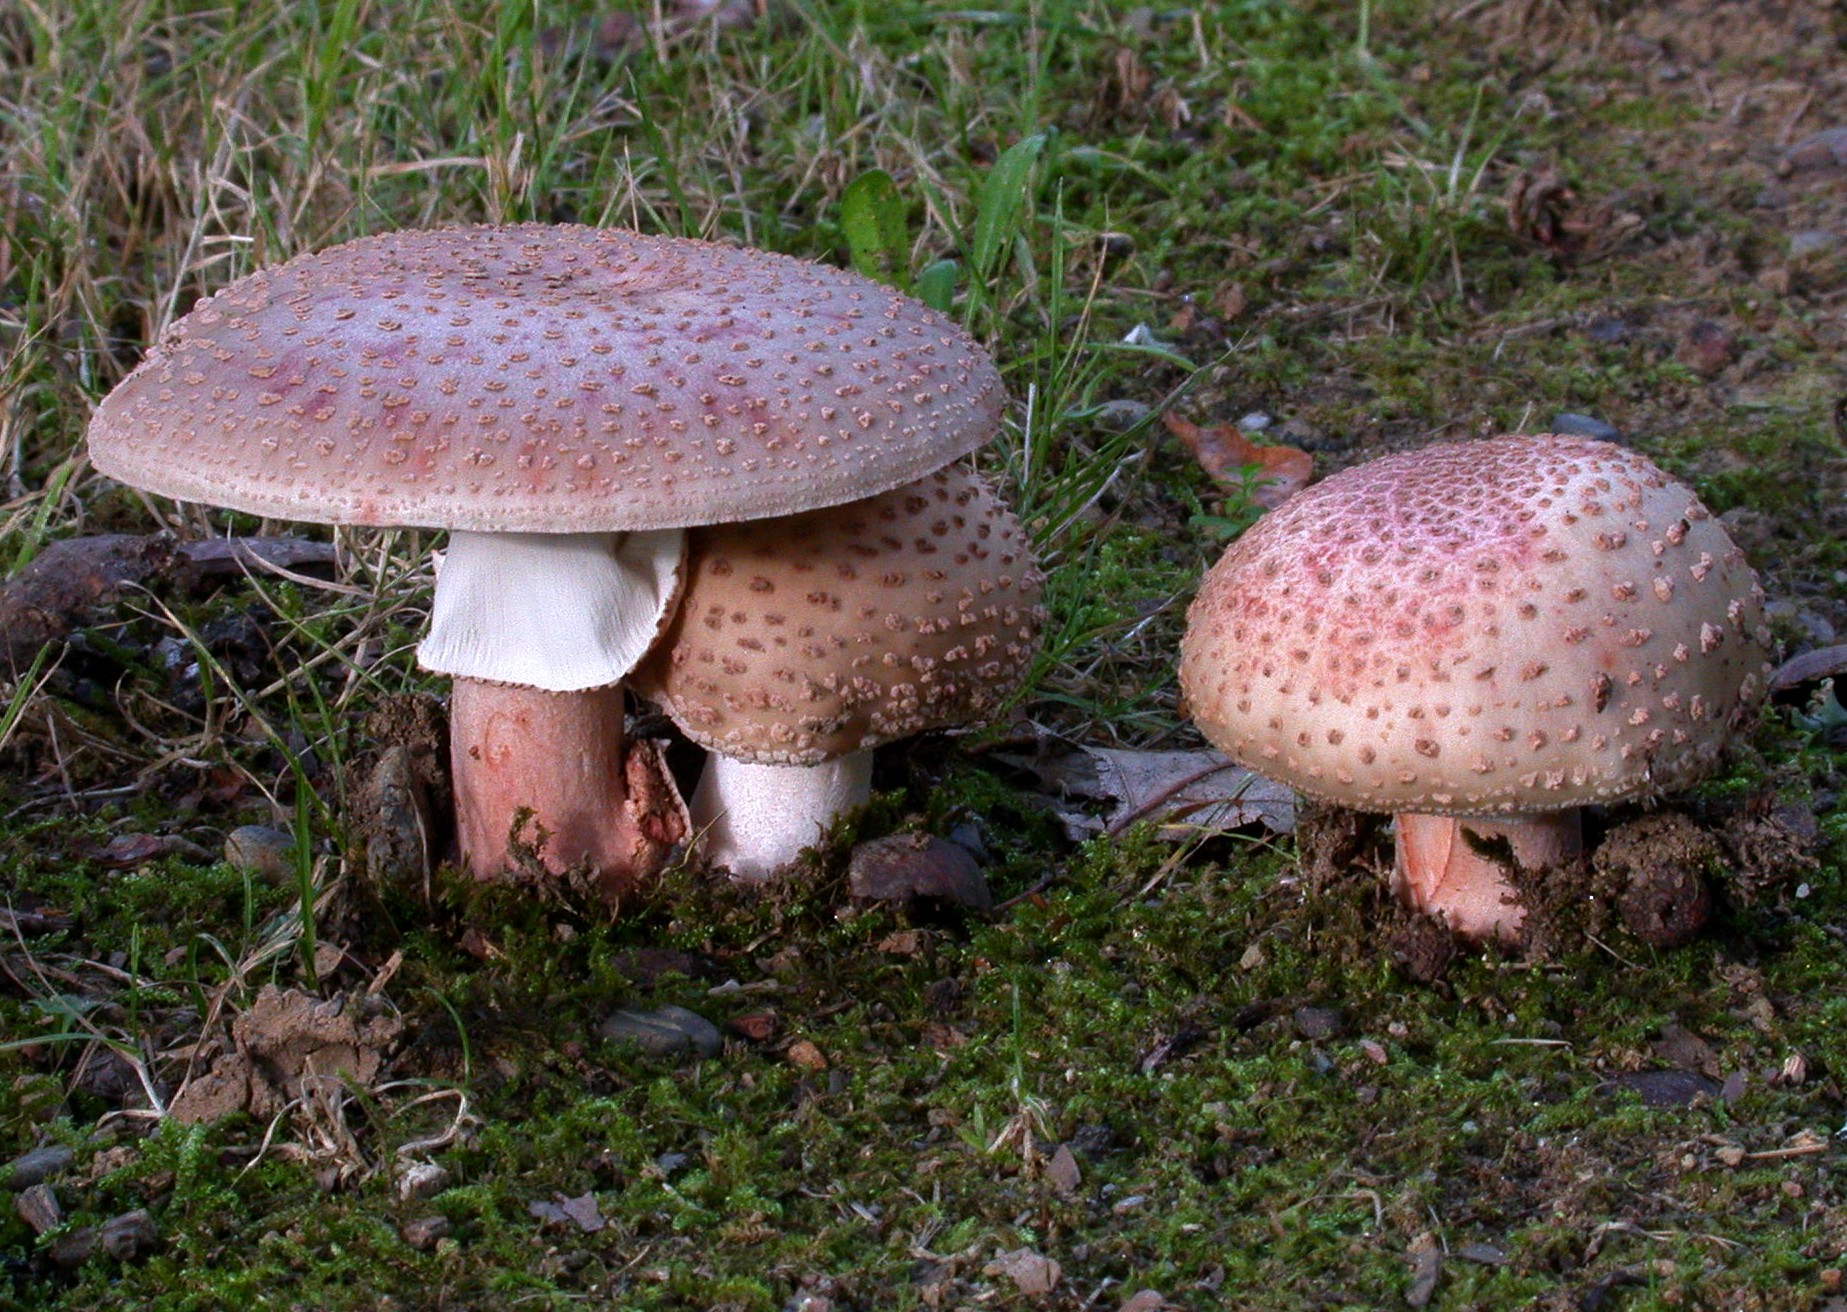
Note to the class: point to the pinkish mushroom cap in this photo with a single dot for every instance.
(549, 379)
(804, 642)
(1488, 629)
(565, 400)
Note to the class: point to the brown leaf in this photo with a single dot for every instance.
(1544, 209)
(1225, 453)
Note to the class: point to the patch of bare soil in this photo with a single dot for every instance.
(283, 1046)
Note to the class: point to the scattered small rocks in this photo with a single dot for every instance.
(264, 852)
(37, 1166)
(1573, 424)
(664, 1032)
(919, 872)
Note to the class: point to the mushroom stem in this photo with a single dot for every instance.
(755, 819)
(1440, 872)
(557, 755)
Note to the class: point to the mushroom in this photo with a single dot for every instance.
(565, 400)
(1480, 638)
(804, 642)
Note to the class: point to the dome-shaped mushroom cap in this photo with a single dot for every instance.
(1524, 624)
(807, 637)
(545, 378)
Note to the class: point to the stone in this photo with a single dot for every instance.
(664, 1032)
(917, 870)
(426, 1232)
(1577, 425)
(36, 1167)
(264, 852)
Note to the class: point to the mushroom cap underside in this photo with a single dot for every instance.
(545, 378)
(1522, 624)
(809, 636)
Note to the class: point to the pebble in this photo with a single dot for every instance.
(122, 1237)
(1608, 330)
(422, 1180)
(1316, 1023)
(664, 1032)
(1813, 241)
(1824, 149)
(1255, 422)
(37, 1166)
(1121, 415)
(1573, 424)
(38, 1208)
(426, 1232)
(910, 869)
(1707, 348)
(263, 852)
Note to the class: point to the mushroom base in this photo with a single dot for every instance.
(756, 819)
(1440, 872)
(542, 779)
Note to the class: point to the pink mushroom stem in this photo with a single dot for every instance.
(1440, 872)
(558, 755)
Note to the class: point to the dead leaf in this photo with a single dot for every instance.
(1182, 792)
(1225, 453)
(583, 1212)
(904, 943)
(1544, 209)
(941, 1037)
(1033, 1273)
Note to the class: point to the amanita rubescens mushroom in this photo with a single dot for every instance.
(1482, 637)
(564, 400)
(804, 642)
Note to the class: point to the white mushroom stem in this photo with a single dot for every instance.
(1440, 872)
(539, 630)
(756, 819)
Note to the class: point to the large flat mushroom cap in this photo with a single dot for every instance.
(807, 637)
(1516, 625)
(549, 379)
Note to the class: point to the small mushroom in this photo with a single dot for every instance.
(803, 642)
(1480, 638)
(565, 400)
